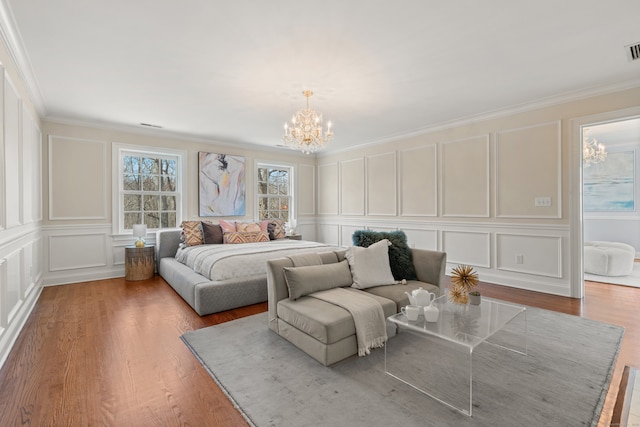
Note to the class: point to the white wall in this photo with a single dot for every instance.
(470, 190)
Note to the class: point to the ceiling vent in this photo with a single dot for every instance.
(633, 51)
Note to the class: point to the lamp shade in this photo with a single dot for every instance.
(140, 230)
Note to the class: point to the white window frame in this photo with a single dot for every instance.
(292, 173)
(117, 152)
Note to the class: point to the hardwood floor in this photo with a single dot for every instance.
(109, 353)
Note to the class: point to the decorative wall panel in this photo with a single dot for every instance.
(419, 181)
(463, 247)
(465, 177)
(422, 239)
(381, 184)
(13, 291)
(70, 252)
(329, 234)
(528, 167)
(352, 187)
(346, 234)
(12, 155)
(540, 255)
(77, 192)
(328, 189)
(306, 190)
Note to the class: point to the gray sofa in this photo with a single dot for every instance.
(325, 331)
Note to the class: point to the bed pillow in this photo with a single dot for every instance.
(192, 233)
(228, 226)
(400, 255)
(212, 233)
(275, 228)
(370, 266)
(306, 280)
(245, 227)
(246, 237)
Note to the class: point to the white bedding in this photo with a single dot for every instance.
(226, 261)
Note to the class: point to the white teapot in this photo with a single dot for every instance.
(421, 297)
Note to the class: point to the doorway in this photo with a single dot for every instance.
(610, 198)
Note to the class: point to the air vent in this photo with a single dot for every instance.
(633, 51)
(150, 125)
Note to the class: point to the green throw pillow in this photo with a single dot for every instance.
(400, 256)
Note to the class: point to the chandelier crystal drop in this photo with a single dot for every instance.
(305, 131)
(592, 151)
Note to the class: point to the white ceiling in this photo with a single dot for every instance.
(234, 71)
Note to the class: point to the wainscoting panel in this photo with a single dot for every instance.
(3, 297)
(346, 234)
(422, 239)
(307, 193)
(77, 251)
(465, 177)
(520, 179)
(13, 291)
(419, 181)
(12, 155)
(28, 275)
(381, 184)
(78, 192)
(329, 234)
(328, 189)
(466, 247)
(539, 255)
(352, 187)
(31, 169)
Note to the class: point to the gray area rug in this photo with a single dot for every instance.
(562, 381)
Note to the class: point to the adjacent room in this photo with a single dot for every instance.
(347, 213)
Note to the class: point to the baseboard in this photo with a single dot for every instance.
(15, 327)
(88, 276)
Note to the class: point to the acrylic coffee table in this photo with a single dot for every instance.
(436, 358)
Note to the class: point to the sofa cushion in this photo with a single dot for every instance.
(400, 256)
(396, 293)
(303, 281)
(323, 321)
(370, 266)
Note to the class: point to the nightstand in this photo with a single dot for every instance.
(139, 263)
(293, 236)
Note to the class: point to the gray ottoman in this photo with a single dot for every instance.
(608, 258)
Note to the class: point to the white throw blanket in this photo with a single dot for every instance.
(368, 317)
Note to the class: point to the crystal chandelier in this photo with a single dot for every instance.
(305, 131)
(592, 151)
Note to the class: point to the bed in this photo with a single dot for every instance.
(214, 278)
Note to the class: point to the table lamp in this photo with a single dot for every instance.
(140, 231)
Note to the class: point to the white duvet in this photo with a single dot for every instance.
(226, 261)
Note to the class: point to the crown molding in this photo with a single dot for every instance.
(13, 41)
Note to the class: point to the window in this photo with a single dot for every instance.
(149, 184)
(274, 192)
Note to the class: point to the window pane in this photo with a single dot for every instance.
(262, 174)
(149, 183)
(168, 203)
(132, 202)
(151, 203)
(263, 214)
(284, 188)
(131, 182)
(168, 167)
(284, 204)
(273, 204)
(131, 218)
(273, 188)
(168, 219)
(149, 165)
(152, 219)
(262, 188)
(168, 183)
(131, 164)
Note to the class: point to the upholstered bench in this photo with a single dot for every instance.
(608, 258)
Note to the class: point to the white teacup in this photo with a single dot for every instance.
(411, 311)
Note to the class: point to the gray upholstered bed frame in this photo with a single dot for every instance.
(203, 295)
